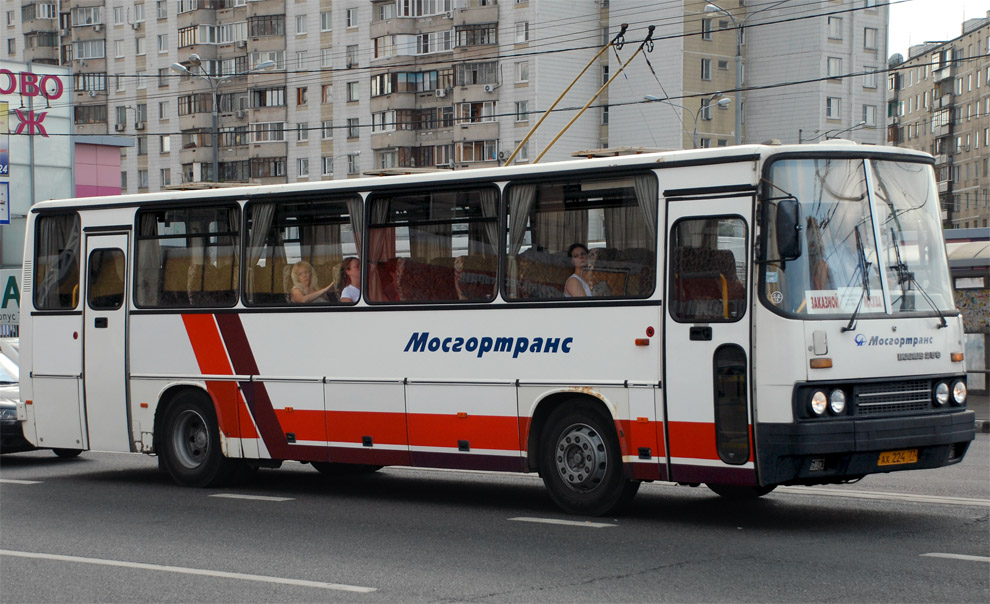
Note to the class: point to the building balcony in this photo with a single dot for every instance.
(942, 74)
(473, 13)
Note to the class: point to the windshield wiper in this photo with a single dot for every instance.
(905, 278)
(864, 269)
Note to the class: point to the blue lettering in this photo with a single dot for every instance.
(552, 345)
(471, 345)
(565, 346)
(486, 346)
(417, 342)
(458, 344)
(434, 344)
(521, 344)
(503, 344)
(446, 344)
(537, 345)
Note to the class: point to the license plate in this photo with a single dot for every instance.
(893, 458)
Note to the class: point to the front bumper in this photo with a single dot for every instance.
(12, 438)
(810, 452)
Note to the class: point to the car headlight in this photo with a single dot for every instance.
(941, 394)
(8, 414)
(959, 392)
(837, 401)
(819, 402)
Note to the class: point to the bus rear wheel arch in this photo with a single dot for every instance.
(581, 463)
(188, 442)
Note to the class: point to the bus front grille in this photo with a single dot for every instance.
(893, 397)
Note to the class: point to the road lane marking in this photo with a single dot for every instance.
(252, 497)
(191, 571)
(963, 501)
(958, 557)
(563, 522)
(15, 481)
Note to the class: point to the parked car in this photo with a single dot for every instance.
(11, 434)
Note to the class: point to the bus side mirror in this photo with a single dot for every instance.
(788, 230)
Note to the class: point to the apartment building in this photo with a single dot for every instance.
(322, 89)
(940, 103)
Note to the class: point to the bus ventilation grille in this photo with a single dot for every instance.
(893, 397)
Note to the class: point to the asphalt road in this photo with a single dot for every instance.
(110, 528)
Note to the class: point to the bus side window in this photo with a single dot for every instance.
(705, 281)
(56, 262)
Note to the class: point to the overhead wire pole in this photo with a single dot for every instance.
(616, 41)
(646, 41)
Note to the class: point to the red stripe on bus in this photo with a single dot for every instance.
(212, 360)
(352, 426)
(641, 435)
(692, 440)
(480, 431)
(305, 424)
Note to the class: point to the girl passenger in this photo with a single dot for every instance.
(304, 287)
(350, 278)
(576, 286)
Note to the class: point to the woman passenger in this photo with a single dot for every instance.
(304, 287)
(576, 286)
(350, 278)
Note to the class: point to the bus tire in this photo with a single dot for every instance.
(344, 469)
(581, 463)
(739, 493)
(67, 453)
(191, 444)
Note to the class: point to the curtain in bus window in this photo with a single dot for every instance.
(381, 249)
(355, 207)
(521, 199)
(149, 262)
(634, 226)
(488, 199)
(221, 284)
(265, 255)
(56, 268)
(434, 240)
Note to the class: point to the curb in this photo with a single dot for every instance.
(983, 426)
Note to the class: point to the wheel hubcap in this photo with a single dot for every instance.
(581, 458)
(190, 439)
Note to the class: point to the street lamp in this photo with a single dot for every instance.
(720, 101)
(215, 82)
(711, 7)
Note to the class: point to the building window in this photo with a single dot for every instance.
(326, 130)
(352, 91)
(302, 131)
(163, 110)
(522, 111)
(477, 35)
(351, 57)
(834, 67)
(165, 143)
(266, 25)
(139, 45)
(353, 127)
(163, 43)
(326, 21)
(166, 176)
(353, 164)
(161, 8)
(142, 179)
(869, 76)
(327, 165)
(870, 37)
(302, 93)
(706, 69)
(832, 107)
(522, 32)
(326, 57)
(352, 17)
(870, 115)
(705, 109)
(300, 25)
(835, 28)
(302, 167)
(706, 29)
(267, 132)
(522, 71)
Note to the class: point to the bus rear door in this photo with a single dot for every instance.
(706, 340)
(105, 342)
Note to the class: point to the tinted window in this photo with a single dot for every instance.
(56, 262)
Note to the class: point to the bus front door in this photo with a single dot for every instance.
(706, 339)
(105, 343)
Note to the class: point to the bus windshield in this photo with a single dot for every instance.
(868, 243)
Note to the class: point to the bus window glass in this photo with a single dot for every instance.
(56, 262)
(437, 246)
(613, 218)
(187, 257)
(105, 284)
(837, 270)
(289, 238)
(906, 200)
(708, 269)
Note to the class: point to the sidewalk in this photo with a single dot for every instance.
(980, 403)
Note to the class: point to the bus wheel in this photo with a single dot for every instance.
(581, 464)
(67, 453)
(343, 469)
(191, 444)
(739, 493)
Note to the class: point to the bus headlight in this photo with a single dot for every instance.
(819, 402)
(959, 392)
(941, 394)
(837, 401)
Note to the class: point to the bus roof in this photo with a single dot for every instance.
(657, 160)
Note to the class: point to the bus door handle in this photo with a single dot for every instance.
(100, 323)
(701, 332)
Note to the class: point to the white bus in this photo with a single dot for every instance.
(754, 316)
